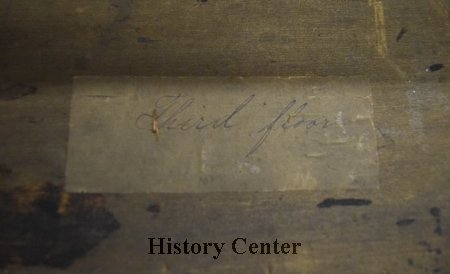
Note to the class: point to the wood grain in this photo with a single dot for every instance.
(45, 43)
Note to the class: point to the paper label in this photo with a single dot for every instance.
(163, 134)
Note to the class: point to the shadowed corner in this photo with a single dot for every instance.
(40, 224)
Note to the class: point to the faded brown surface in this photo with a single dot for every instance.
(44, 44)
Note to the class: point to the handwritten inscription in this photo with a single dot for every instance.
(172, 112)
(163, 134)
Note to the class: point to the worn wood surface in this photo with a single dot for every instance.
(44, 43)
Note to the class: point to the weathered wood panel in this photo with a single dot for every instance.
(44, 43)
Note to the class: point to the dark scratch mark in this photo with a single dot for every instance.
(404, 222)
(100, 96)
(400, 34)
(387, 138)
(145, 40)
(434, 67)
(330, 202)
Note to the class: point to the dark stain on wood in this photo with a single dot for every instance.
(436, 213)
(434, 67)
(405, 222)
(430, 261)
(330, 202)
(154, 208)
(12, 91)
(42, 225)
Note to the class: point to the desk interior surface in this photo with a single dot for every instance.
(403, 229)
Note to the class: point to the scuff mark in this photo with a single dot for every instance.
(405, 222)
(338, 141)
(330, 202)
(254, 169)
(316, 155)
(145, 40)
(100, 96)
(421, 97)
(415, 114)
(203, 159)
(340, 122)
(381, 44)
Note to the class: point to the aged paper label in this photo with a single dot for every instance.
(169, 134)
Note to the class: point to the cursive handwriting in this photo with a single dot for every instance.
(289, 123)
(172, 113)
(174, 107)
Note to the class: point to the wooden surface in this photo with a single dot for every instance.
(44, 43)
